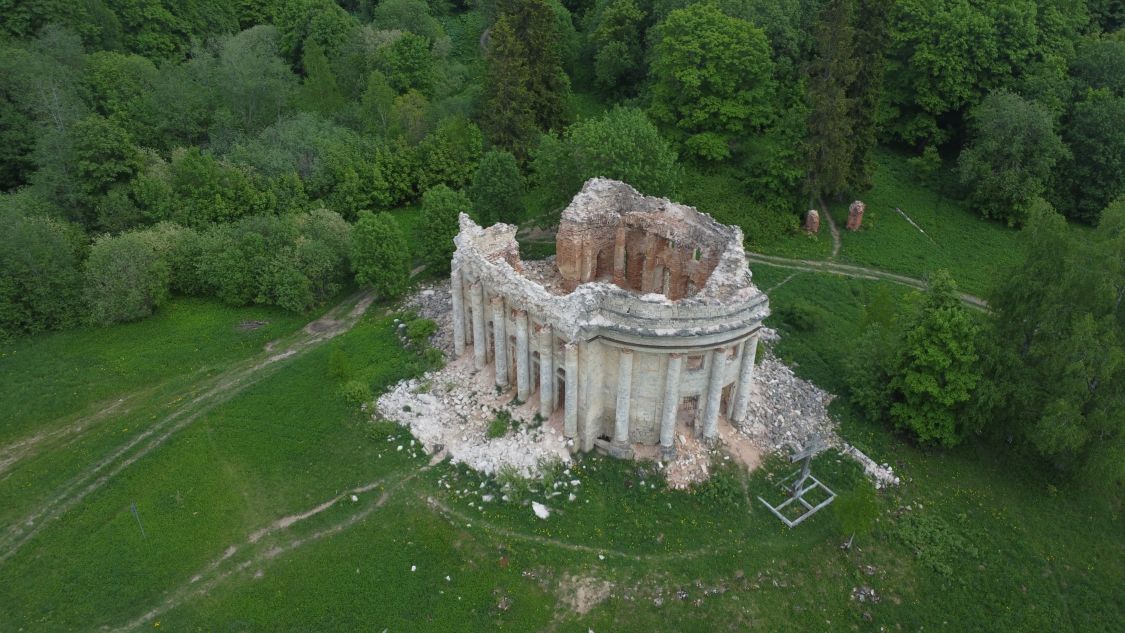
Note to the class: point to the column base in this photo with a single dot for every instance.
(667, 453)
(621, 450)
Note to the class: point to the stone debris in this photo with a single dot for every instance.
(433, 301)
(540, 510)
(453, 408)
(865, 594)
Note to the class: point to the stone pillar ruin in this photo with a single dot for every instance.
(624, 397)
(500, 339)
(480, 339)
(855, 215)
(456, 291)
(570, 405)
(546, 338)
(745, 378)
(523, 357)
(671, 406)
(591, 391)
(714, 395)
(812, 221)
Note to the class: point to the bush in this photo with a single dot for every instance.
(420, 330)
(801, 315)
(497, 428)
(933, 541)
(40, 273)
(356, 392)
(125, 278)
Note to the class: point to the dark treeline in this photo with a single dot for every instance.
(249, 151)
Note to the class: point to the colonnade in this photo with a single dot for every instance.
(587, 386)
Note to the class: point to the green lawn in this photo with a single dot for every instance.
(952, 237)
(997, 545)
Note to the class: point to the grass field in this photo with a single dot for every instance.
(971, 541)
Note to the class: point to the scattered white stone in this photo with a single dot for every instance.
(413, 568)
(354, 498)
(540, 510)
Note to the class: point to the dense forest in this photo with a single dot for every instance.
(250, 151)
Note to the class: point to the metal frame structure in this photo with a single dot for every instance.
(797, 490)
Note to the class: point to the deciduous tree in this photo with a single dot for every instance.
(712, 79)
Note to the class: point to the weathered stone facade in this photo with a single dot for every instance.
(652, 324)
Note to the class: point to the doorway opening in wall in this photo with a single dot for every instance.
(560, 389)
(689, 409)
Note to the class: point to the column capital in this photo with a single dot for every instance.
(675, 355)
(626, 350)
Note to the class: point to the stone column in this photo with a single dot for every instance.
(714, 395)
(546, 338)
(671, 406)
(570, 405)
(500, 336)
(523, 357)
(591, 394)
(745, 378)
(624, 398)
(480, 338)
(457, 292)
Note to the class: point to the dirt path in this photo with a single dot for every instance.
(271, 541)
(858, 272)
(189, 407)
(451, 514)
(832, 228)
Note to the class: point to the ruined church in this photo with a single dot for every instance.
(644, 325)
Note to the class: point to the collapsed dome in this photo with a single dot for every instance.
(611, 233)
(649, 321)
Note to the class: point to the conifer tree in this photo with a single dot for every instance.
(508, 119)
(831, 76)
(869, 51)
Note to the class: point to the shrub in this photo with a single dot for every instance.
(933, 541)
(125, 278)
(356, 392)
(40, 273)
(801, 315)
(420, 330)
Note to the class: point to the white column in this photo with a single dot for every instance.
(457, 292)
(480, 338)
(570, 406)
(500, 336)
(591, 396)
(671, 402)
(714, 394)
(624, 396)
(745, 378)
(523, 358)
(546, 338)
